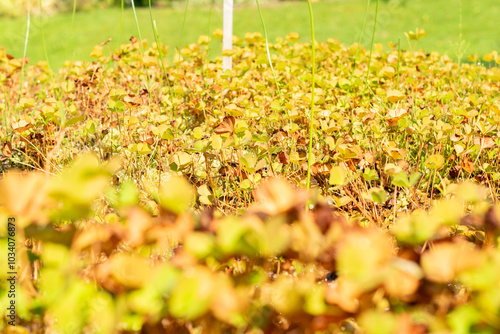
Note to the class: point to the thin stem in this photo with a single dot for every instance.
(24, 56)
(180, 46)
(268, 53)
(183, 24)
(208, 33)
(311, 120)
(72, 26)
(121, 25)
(371, 47)
(160, 55)
(399, 60)
(43, 36)
(142, 47)
(359, 39)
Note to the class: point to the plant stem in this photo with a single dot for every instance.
(371, 47)
(72, 26)
(311, 119)
(43, 36)
(24, 57)
(142, 47)
(268, 53)
(399, 60)
(121, 24)
(160, 55)
(180, 46)
(359, 39)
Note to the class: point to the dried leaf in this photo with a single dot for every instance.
(226, 126)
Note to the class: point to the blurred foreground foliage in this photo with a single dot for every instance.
(278, 268)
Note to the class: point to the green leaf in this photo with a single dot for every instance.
(315, 300)
(200, 244)
(25, 103)
(143, 148)
(414, 177)
(435, 161)
(197, 133)
(90, 127)
(370, 175)
(401, 179)
(117, 94)
(378, 322)
(192, 296)
(78, 186)
(128, 194)
(233, 237)
(248, 162)
(74, 120)
(175, 195)
(463, 318)
(227, 74)
(246, 185)
(378, 195)
(163, 131)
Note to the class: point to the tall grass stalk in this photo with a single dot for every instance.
(460, 35)
(181, 41)
(7, 110)
(72, 26)
(24, 57)
(371, 47)
(359, 39)
(311, 119)
(43, 36)
(399, 61)
(205, 83)
(208, 46)
(268, 53)
(121, 24)
(140, 42)
(208, 33)
(160, 55)
(183, 25)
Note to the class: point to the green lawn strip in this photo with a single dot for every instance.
(341, 20)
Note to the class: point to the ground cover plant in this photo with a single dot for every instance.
(162, 196)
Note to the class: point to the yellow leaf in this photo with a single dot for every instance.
(149, 61)
(130, 270)
(228, 52)
(216, 142)
(394, 95)
(25, 103)
(182, 159)
(218, 33)
(435, 161)
(391, 169)
(234, 110)
(387, 72)
(338, 175)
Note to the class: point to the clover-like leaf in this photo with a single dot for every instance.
(435, 161)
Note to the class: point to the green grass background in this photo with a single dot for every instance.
(341, 19)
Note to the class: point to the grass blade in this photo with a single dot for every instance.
(311, 120)
(140, 41)
(268, 53)
(371, 47)
(43, 36)
(359, 39)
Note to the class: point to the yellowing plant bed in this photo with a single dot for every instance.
(145, 196)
